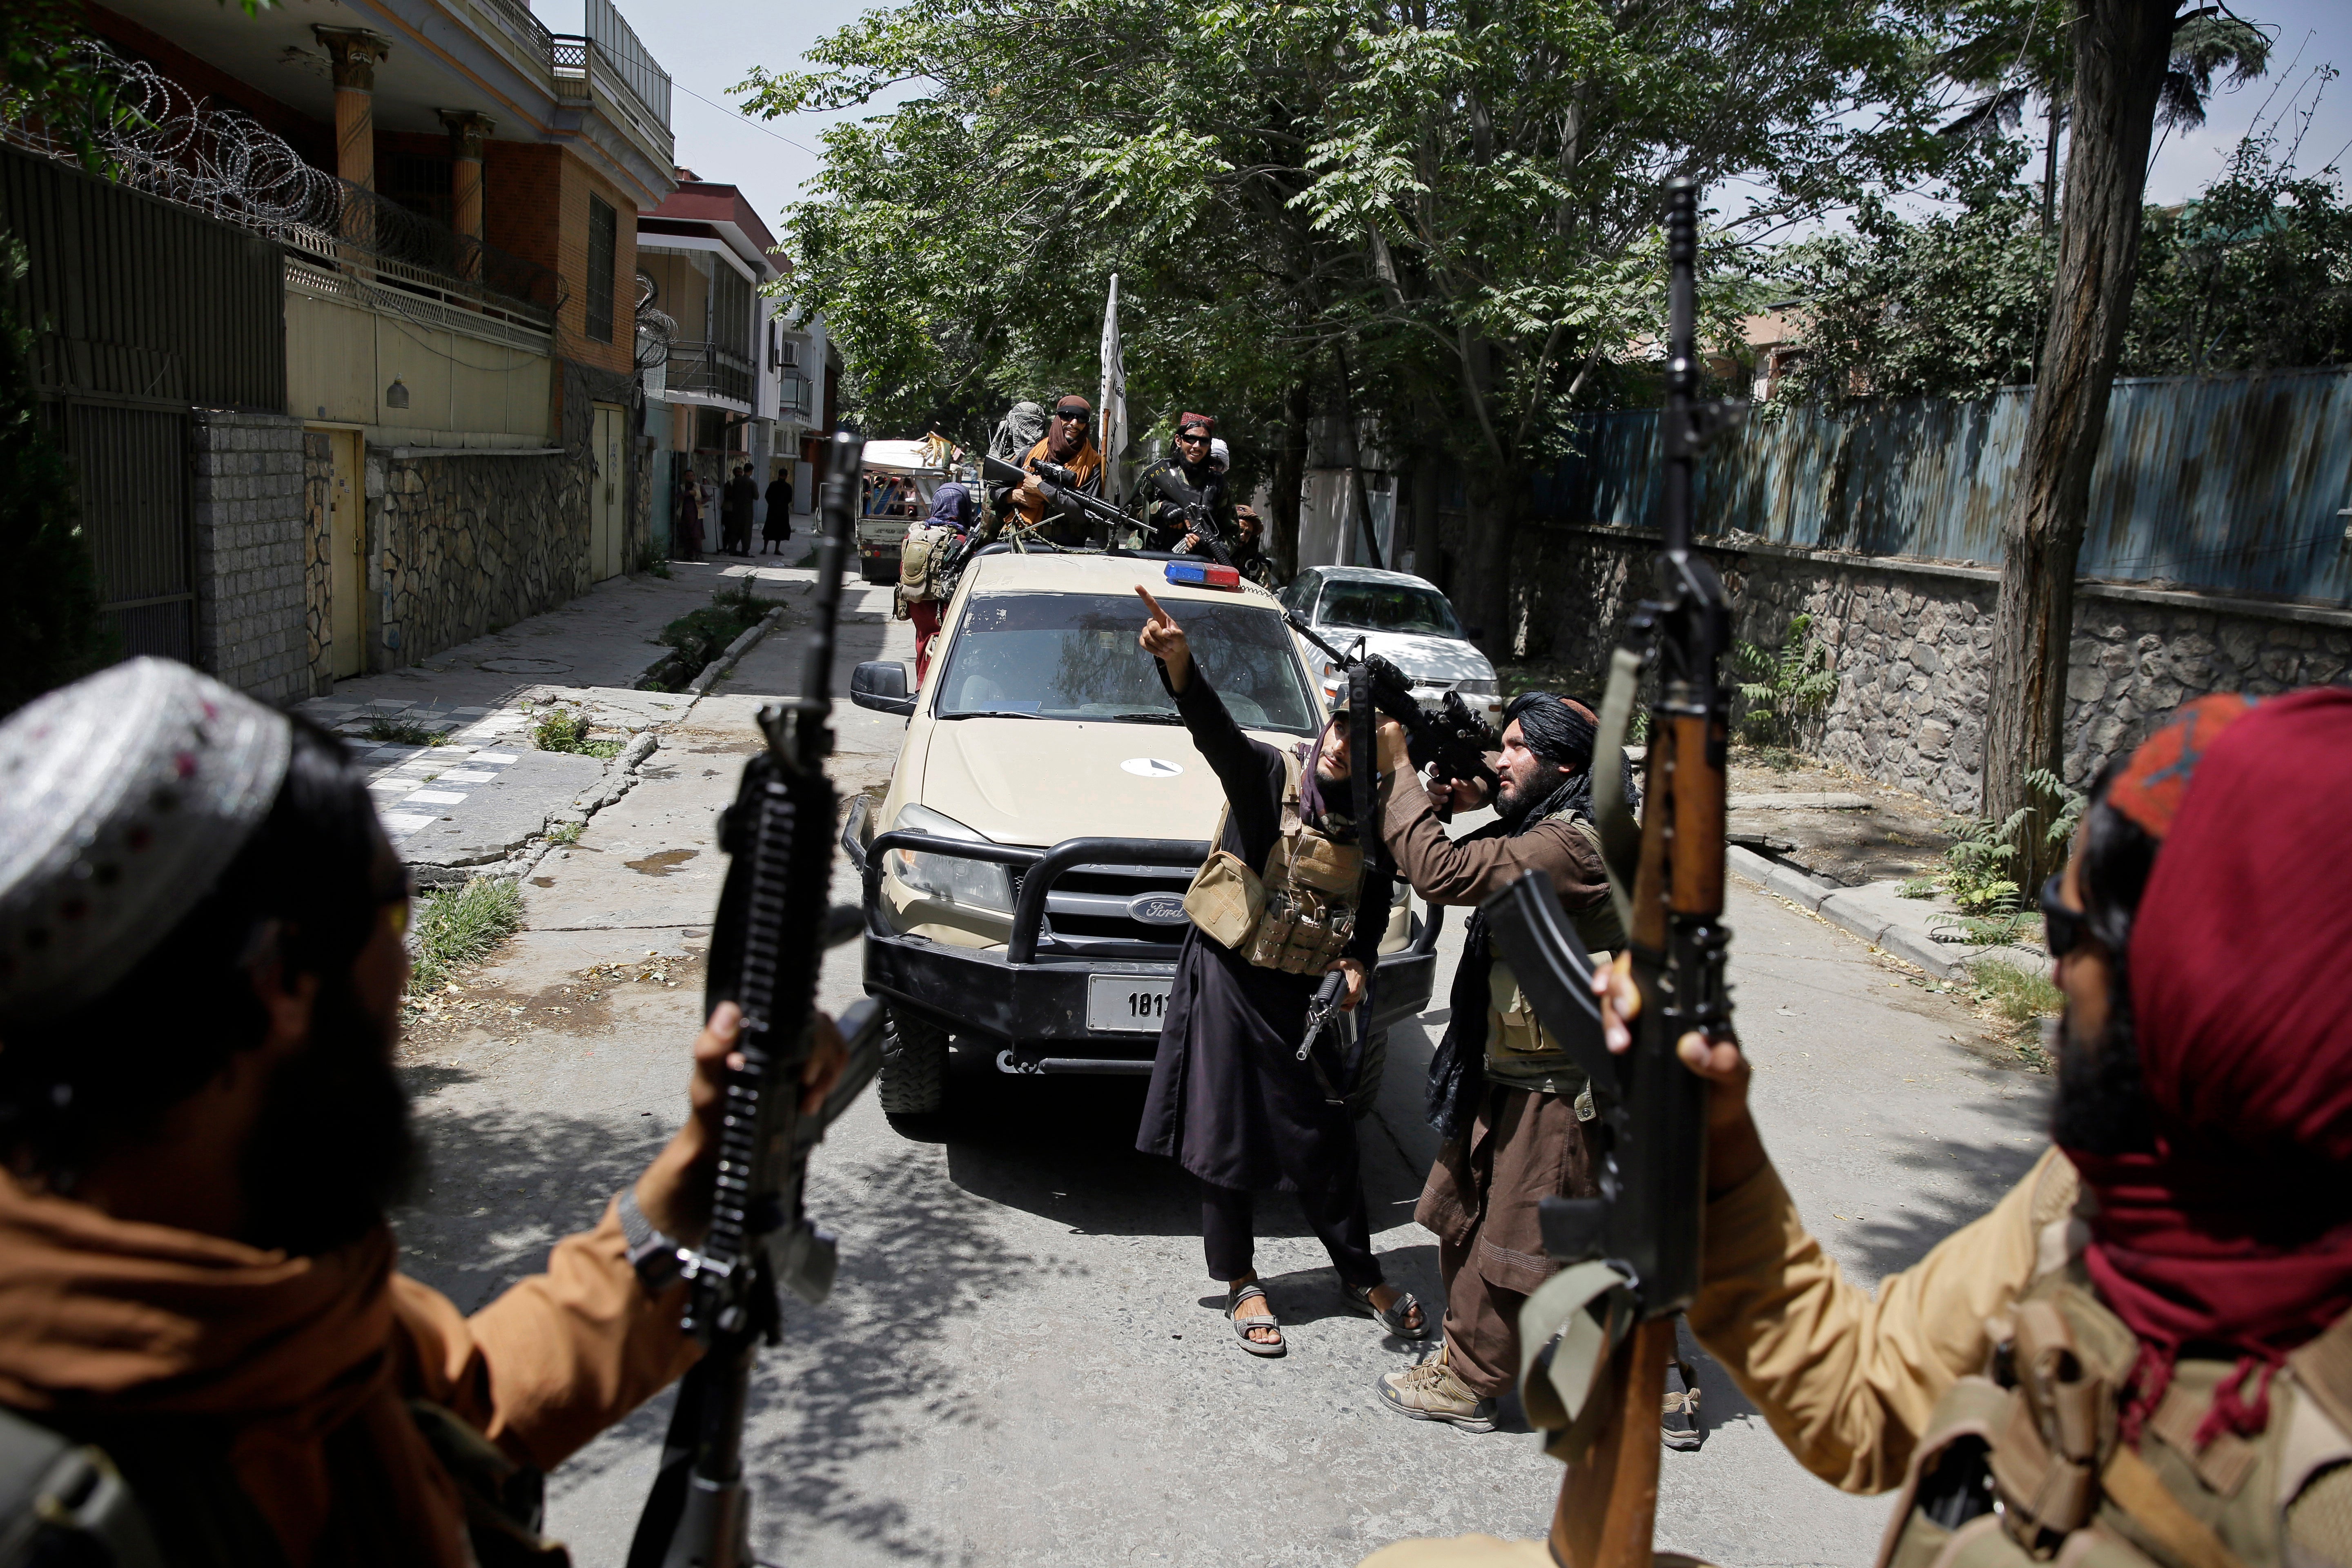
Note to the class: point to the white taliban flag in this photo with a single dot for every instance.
(1111, 408)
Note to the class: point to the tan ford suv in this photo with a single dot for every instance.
(1026, 874)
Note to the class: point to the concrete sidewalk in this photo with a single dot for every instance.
(1879, 915)
(481, 797)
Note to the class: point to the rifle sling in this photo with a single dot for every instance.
(1621, 835)
(1589, 1311)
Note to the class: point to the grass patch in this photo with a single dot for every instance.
(458, 926)
(2017, 995)
(561, 730)
(404, 732)
(699, 637)
(566, 832)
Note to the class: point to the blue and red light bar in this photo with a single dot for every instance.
(1203, 575)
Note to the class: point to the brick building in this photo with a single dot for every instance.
(454, 194)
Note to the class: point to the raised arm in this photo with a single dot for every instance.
(1241, 765)
(1469, 871)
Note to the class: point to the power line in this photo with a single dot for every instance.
(747, 120)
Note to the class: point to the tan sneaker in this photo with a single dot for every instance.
(1431, 1391)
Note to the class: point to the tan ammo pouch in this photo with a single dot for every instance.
(1299, 914)
(1226, 898)
(2069, 1490)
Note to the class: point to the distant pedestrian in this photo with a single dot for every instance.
(779, 526)
(742, 495)
(689, 518)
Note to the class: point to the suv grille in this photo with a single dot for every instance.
(1089, 907)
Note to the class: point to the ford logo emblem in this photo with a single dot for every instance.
(1157, 908)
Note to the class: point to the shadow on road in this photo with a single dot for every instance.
(1984, 1172)
(502, 1187)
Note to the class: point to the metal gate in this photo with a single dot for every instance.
(133, 464)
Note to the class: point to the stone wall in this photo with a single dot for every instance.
(318, 562)
(251, 590)
(468, 542)
(1911, 643)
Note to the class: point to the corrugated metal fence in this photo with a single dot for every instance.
(143, 310)
(2233, 484)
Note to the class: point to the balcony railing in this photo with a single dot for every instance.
(383, 243)
(189, 150)
(711, 371)
(795, 395)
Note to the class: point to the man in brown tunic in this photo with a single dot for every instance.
(1504, 1095)
(202, 957)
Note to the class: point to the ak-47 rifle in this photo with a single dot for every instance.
(1633, 1252)
(1200, 519)
(772, 931)
(1061, 487)
(1457, 740)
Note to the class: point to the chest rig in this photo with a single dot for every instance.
(1297, 913)
(2026, 1464)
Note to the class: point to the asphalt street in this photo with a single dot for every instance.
(1023, 1361)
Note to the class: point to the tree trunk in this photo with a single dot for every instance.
(1289, 479)
(1427, 551)
(1482, 598)
(2121, 49)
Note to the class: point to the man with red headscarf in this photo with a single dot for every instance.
(2142, 1356)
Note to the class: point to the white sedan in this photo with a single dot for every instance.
(1405, 620)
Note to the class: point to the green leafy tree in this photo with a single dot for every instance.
(1439, 214)
(51, 630)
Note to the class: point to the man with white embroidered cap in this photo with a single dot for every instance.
(202, 955)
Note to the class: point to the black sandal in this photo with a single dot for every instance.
(1267, 1319)
(1395, 1320)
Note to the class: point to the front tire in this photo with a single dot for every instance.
(1369, 1069)
(914, 1080)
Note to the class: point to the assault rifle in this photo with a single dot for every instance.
(1200, 522)
(1454, 739)
(1061, 487)
(1633, 1252)
(770, 934)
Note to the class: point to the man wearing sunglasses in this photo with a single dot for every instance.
(1194, 462)
(2143, 1355)
(1068, 443)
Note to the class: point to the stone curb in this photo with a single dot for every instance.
(701, 684)
(1824, 900)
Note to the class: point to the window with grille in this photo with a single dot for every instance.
(604, 227)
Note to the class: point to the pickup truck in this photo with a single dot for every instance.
(1025, 875)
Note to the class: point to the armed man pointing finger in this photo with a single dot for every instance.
(1235, 1098)
(1504, 1096)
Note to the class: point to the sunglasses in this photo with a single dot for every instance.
(1077, 414)
(2062, 928)
(1192, 438)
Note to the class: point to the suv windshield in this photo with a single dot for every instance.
(1074, 655)
(1388, 607)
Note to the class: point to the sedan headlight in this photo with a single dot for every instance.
(1479, 687)
(975, 884)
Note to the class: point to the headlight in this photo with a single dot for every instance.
(975, 884)
(1479, 687)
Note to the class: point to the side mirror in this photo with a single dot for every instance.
(881, 684)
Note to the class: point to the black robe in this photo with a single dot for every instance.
(1230, 1101)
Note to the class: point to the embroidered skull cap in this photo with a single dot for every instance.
(126, 794)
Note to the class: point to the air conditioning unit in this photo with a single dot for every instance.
(783, 352)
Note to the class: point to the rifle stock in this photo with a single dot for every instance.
(1652, 1131)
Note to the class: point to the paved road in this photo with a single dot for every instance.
(1023, 1361)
